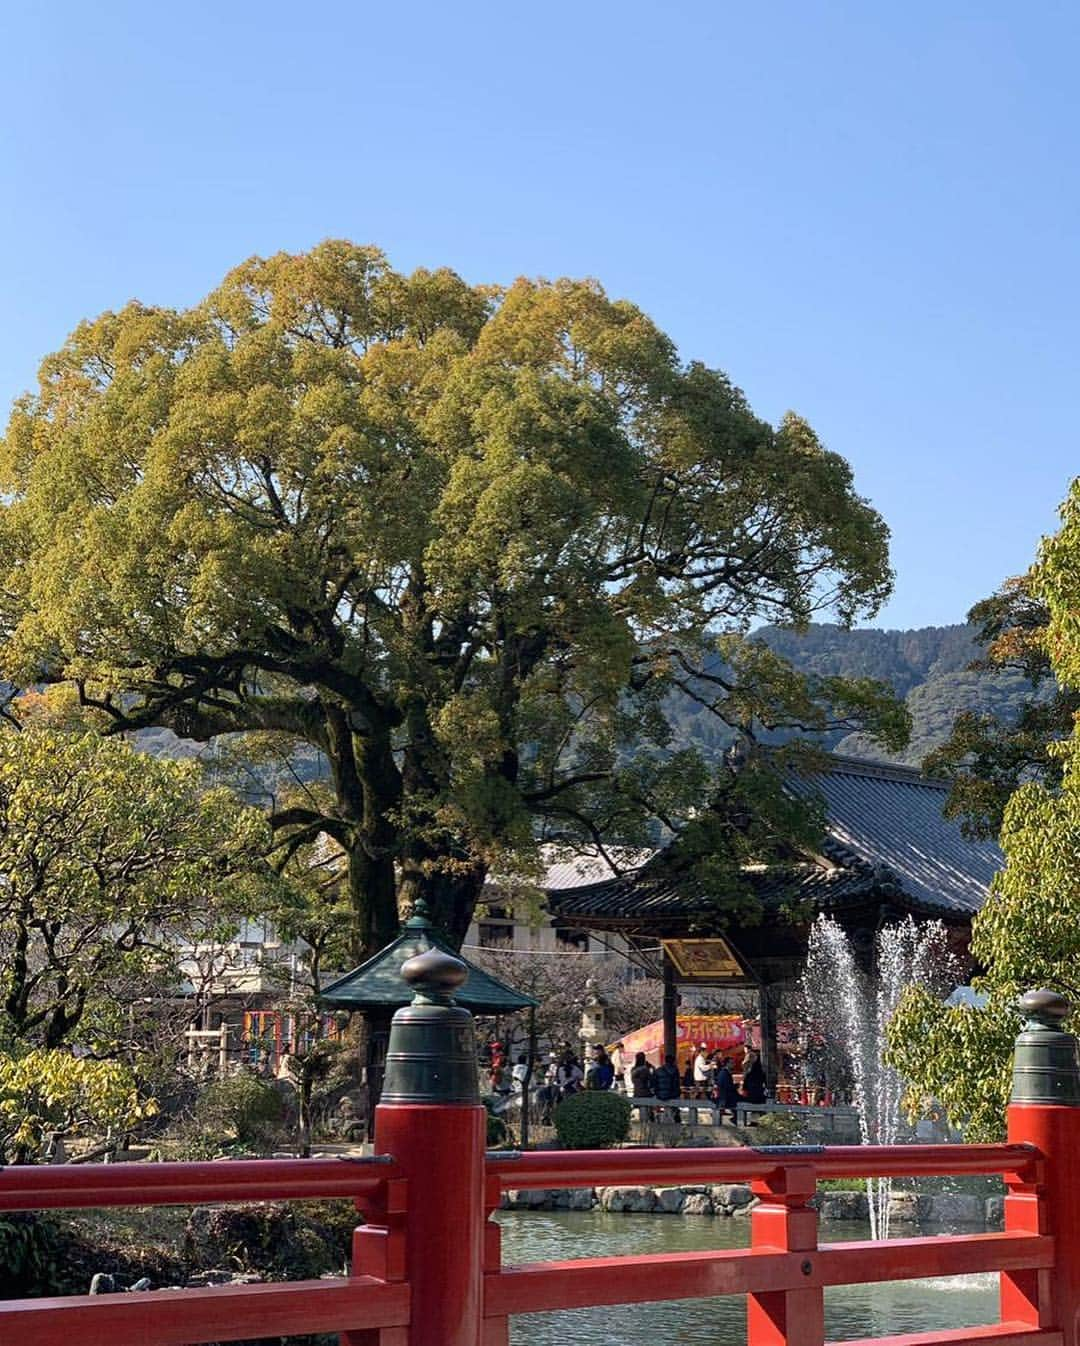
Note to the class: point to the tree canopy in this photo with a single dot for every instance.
(109, 861)
(464, 541)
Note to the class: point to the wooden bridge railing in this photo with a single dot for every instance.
(427, 1268)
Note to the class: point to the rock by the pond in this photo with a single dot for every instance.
(635, 1199)
(908, 1208)
(956, 1208)
(697, 1203)
(533, 1198)
(842, 1205)
(732, 1195)
(216, 1276)
(582, 1198)
(995, 1212)
(670, 1200)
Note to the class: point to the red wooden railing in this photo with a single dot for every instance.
(427, 1268)
(784, 1272)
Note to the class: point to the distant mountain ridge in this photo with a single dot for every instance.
(904, 659)
(928, 667)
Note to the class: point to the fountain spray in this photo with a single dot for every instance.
(851, 1008)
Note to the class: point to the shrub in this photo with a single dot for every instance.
(32, 1256)
(497, 1130)
(44, 1090)
(303, 1242)
(242, 1108)
(592, 1120)
(776, 1128)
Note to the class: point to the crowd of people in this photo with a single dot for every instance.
(709, 1075)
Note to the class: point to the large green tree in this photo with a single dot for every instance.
(1028, 933)
(467, 542)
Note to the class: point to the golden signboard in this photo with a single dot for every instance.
(704, 960)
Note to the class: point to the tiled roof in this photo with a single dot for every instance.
(655, 892)
(886, 837)
(377, 984)
(589, 867)
(891, 817)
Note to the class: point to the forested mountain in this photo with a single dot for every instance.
(929, 667)
(904, 659)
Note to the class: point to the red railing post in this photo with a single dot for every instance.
(496, 1330)
(378, 1249)
(432, 1123)
(783, 1222)
(1045, 1112)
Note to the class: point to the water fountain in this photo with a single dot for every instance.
(849, 1009)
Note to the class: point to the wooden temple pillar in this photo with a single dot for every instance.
(770, 1060)
(670, 1009)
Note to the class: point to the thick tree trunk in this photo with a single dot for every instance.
(367, 784)
(451, 897)
(372, 889)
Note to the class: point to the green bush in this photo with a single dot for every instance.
(592, 1120)
(242, 1108)
(776, 1128)
(497, 1131)
(32, 1256)
(297, 1242)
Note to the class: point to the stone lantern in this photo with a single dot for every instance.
(593, 1018)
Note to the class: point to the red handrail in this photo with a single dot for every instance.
(53, 1186)
(545, 1287)
(613, 1168)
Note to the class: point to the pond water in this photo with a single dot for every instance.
(850, 1311)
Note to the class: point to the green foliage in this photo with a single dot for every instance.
(464, 543)
(592, 1120)
(1028, 933)
(42, 1091)
(956, 1057)
(240, 1108)
(777, 1128)
(32, 1256)
(101, 850)
(289, 1242)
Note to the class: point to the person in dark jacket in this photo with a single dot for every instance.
(753, 1080)
(641, 1077)
(666, 1083)
(725, 1094)
(601, 1073)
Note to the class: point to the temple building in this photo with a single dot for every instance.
(888, 852)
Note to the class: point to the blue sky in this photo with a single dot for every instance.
(866, 212)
